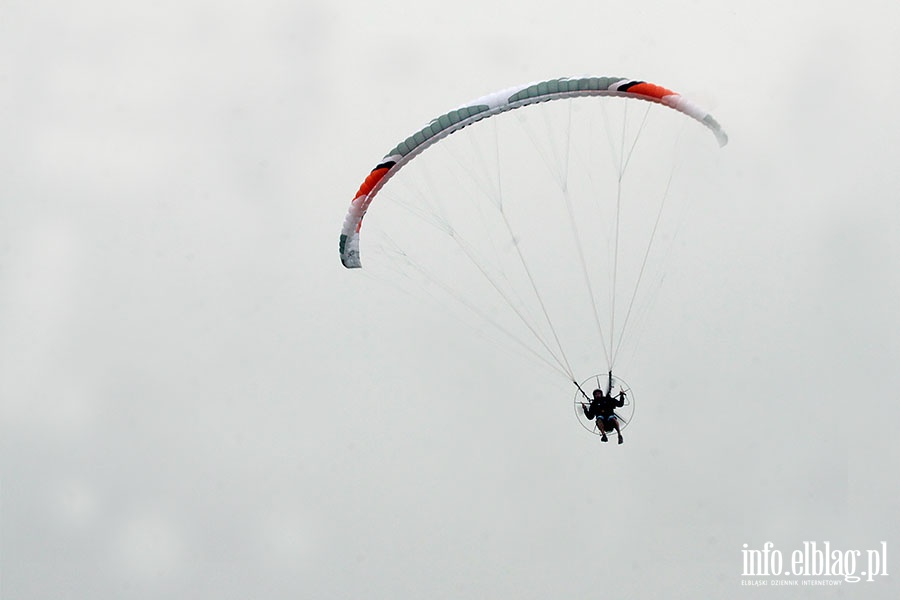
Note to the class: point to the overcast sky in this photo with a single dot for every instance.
(198, 401)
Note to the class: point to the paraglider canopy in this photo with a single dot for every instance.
(492, 104)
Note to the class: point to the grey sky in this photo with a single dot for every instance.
(199, 401)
